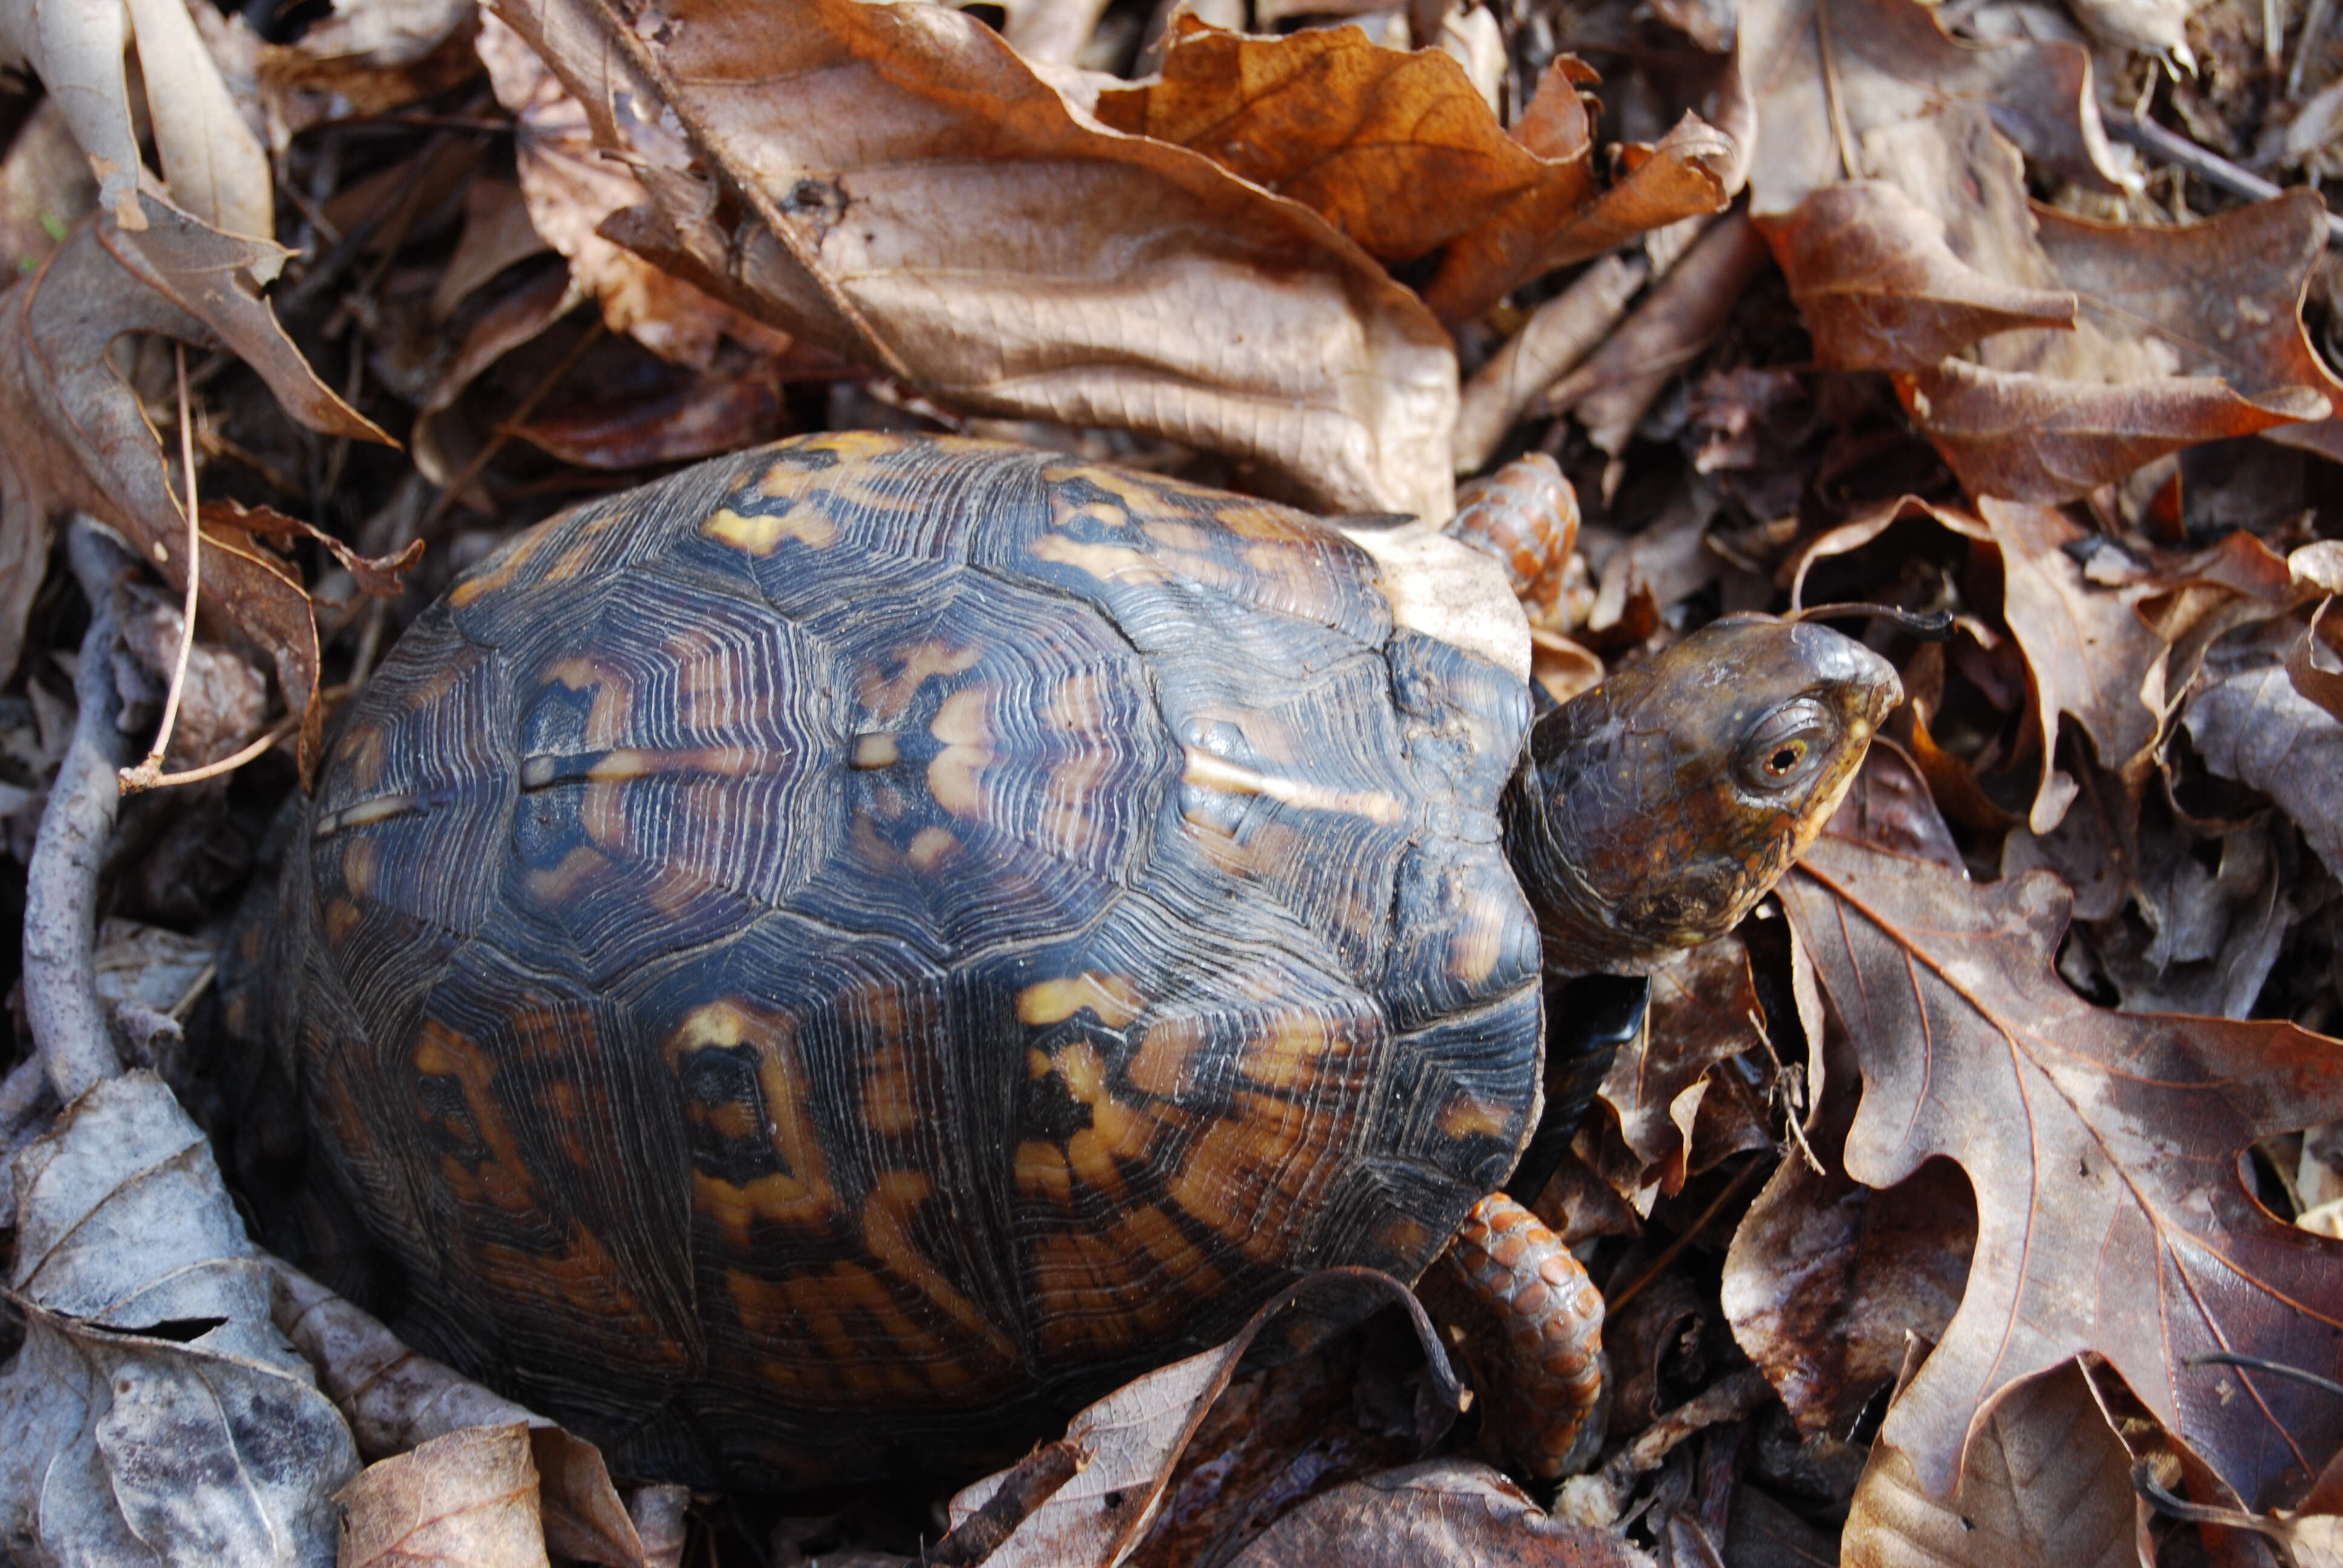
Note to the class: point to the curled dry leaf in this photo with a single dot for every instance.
(2088, 653)
(1827, 74)
(920, 201)
(369, 58)
(1430, 1515)
(2254, 726)
(2045, 1480)
(154, 1413)
(1557, 336)
(396, 1400)
(570, 188)
(2104, 1148)
(1881, 290)
(76, 437)
(1402, 153)
(464, 1500)
(1127, 1445)
(1825, 1278)
(2187, 332)
(1704, 1010)
(216, 167)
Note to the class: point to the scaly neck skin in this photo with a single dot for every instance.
(1559, 811)
(1649, 814)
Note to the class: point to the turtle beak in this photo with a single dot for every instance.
(1865, 684)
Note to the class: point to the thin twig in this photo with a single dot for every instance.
(61, 1000)
(2210, 167)
(138, 779)
(505, 428)
(1614, 1300)
(149, 772)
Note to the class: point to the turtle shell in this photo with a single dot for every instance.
(859, 946)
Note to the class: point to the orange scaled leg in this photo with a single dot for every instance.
(1531, 1325)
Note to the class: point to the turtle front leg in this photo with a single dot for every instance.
(1530, 1323)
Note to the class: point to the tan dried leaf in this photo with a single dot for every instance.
(76, 435)
(466, 1499)
(1827, 74)
(2045, 1480)
(216, 167)
(1881, 290)
(571, 189)
(920, 201)
(1097, 1500)
(1439, 1514)
(2088, 653)
(369, 58)
(396, 1400)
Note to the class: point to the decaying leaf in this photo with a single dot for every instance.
(1127, 1444)
(2104, 1148)
(922, 202)
(1404, 154)
(2045, 1480)
(1704, 1010)
(1438, 1512)
(464, 1500)
(216, 167)
(1826, 1279)
(2254, 726)
(2088, 654)
(155, 1413)
(570, 188)
(396, 1401)
(1881, 290)
(1828, 74)
(78, 436)
(369, 57)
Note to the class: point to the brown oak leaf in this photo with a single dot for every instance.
(920, 201)
(2113, 1212)
(78, 438)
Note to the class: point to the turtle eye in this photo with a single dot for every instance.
(1786, 746)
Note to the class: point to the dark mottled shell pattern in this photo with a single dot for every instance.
(865, 942)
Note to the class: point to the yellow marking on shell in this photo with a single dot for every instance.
(366, 813)
(1478, 941)
(1234, 1169)
(850, 445)
(606, 715)
(499, 570)
(954, 774)
(1142, 498)
(874, 751)
(1164, 1064)
(1155, 1230)
(562, 881)
(1291, 1048)
(1115, 1000)
(1206, 771)
(931, 849)
(1105, 562)
(891, 1103)
(1261, 520)
(342, 918)
(1470, 1116)
(361, 865)
(626, 762)
(573, 560)
(761, 533)
(1068, 514)
(1040, 1171)
(887, 1232)
(802, 1194)
(888, 696)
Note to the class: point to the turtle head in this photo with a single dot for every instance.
(1653, 810)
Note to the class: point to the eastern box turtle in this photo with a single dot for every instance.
(850, 951)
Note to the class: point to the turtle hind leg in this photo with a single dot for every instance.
(1530, 1323)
